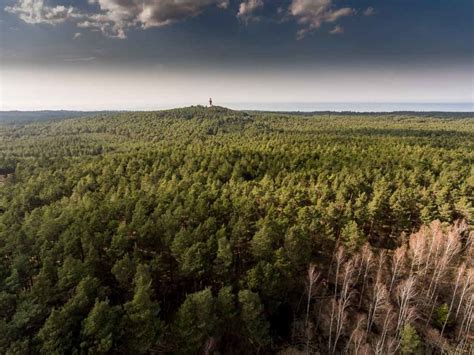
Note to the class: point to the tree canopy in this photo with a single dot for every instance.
(192, 230)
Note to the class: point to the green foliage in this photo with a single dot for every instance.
(261, 244)
(226, 307)
(100, 328)
(224, 256)
(160, 231)
(123, 271)
(351, 237)
(141, 325)
(196, 321)
(441, 315)
(251, 311)
(58, 334)
(410, 341)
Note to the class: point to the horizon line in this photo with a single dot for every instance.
(462, 107)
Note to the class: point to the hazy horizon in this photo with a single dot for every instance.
(359, 107)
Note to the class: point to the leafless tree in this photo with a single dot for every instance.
(313, 277)
(467, 288)
(433, 339)
(433, 237)
(464, 347)
(467, 319)
(392, 346)
(342, 303)
(379, 300)
(405, 296)
(397, 260)
(380, 264)
(357, 337)
(417, 249)
(366, 261)
(431, 309)
(449, 247)
(432, 266)
(340, 255)
(358, 265)
(459, 276)
(380, 345)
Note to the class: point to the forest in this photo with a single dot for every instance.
(212, 231)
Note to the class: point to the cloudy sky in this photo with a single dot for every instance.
(146, 54)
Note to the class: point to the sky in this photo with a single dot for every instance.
(151, 54)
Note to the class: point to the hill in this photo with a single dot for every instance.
(201, 230)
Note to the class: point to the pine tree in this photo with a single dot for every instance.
(252, 317)
(99, 329)
(142, 324)
(410, 341)
(351, 237)
(196, 321)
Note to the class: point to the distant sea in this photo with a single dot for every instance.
(354, 107)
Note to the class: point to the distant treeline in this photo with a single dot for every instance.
(395, 114)
(33, 116)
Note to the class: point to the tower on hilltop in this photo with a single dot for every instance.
(210, 102)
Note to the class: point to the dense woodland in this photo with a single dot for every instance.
(38, 116)
(206, 230)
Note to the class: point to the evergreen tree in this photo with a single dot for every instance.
(252, 317)
(410, 341)
(196, 321)
(100, 328)
(141, 322)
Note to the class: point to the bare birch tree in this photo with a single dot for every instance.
(379, 300)
(340, 254)
(313, 277)
(367, 257)
(397, 261)
(448, 249)
(380, 344)
(405, 296)
(342, 303)
(358, 336)
(417, 249)
(467, 319)
(467, 288)
(459, 276)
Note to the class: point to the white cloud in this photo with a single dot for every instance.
(77, 35)
(337, 30)
(35, 12)
(118, 15)
(369, 11)
(115, 17)
(248, 8)
(312, 14)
